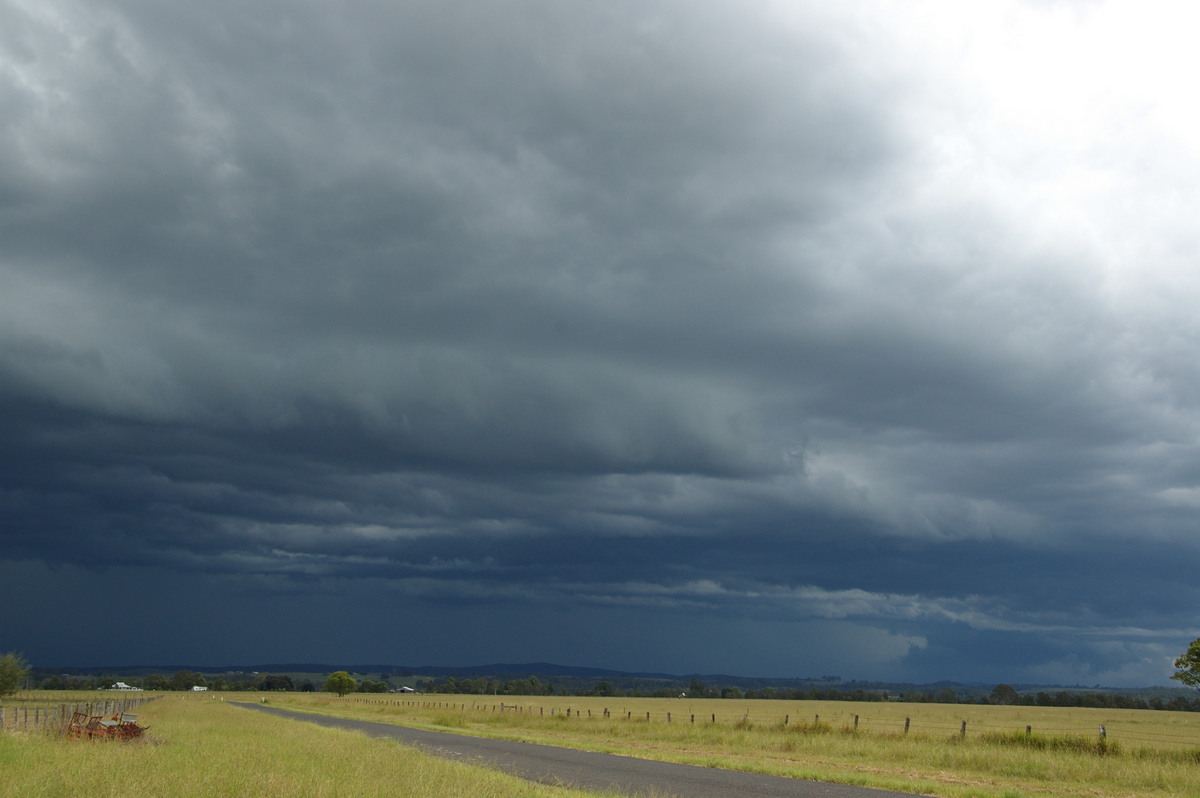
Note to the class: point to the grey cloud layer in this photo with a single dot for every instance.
(668, 308)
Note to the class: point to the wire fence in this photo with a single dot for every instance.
(57, 716)
(1110, 732)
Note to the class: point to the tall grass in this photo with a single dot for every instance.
(997, 757)
(198, 746)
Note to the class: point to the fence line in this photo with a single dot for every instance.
(786, 721)
(56, 716)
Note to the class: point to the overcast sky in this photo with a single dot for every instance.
(780, 339)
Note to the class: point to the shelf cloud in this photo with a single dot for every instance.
(781, 340)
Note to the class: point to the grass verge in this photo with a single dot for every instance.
(202, 747)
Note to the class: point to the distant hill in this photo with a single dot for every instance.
(572, 678)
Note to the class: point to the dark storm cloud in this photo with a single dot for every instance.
(658, 316)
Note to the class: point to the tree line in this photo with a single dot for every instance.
(15, 673)
(18, 675)
(1001, 694)
(180, 680)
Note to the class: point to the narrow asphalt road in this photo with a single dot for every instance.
(590, 770)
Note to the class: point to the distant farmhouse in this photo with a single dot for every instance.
(123, 686)
(198, 689)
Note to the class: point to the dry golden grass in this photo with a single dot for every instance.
(200, 746)
(1146, 753)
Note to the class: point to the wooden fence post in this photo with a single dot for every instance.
(963, 732)
(906, 722)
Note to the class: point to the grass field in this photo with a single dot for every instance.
(1145, 753)
(198, 746)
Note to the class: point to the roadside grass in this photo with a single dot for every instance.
(997, 758)
(198, 746)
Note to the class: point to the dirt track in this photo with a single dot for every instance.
(590, 770)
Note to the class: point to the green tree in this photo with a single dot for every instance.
(156, 681)
(1004, 694)
(14, 670)
(946, 696)
(186, 680)
(274, 682)
(1187, 667)
(340, 683)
